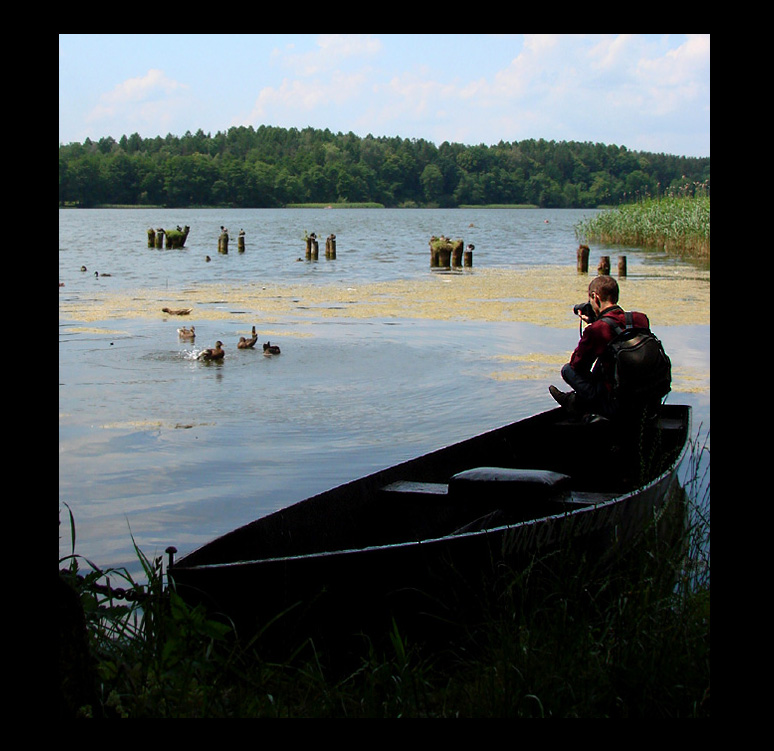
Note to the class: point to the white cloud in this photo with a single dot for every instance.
(639, 90)
(144, 100)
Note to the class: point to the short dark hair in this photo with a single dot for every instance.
(606, 287)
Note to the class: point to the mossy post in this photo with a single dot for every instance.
(159, 238)
(468, 257)
(583, 259)
(330, 247)
(441, 251)
(604, 266)
(223, 241)
(621, 265)
(151, 237)
(241, 241)
(176, 237)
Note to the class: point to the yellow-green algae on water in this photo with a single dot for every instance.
(540, 295)
(670, 295)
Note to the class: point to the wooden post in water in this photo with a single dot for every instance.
(468, 257)
(456, 254)
(241, 241)
(151, 237)
(330, 247)
(159, 238)
(433, 252)
(441, 251)
(583, 258)
(621, 265)
(604, 265)
(223, 241)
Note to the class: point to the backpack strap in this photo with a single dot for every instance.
(628, 318)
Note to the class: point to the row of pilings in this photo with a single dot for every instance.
(313, 247)
(447, 254)
(175, 238)
(604, 262)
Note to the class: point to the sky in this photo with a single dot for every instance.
(647, 92)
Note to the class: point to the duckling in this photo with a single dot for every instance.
(248, 343)
(177, 311)
(185, 333)
(213, 353)
(270, 349)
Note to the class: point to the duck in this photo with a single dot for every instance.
(248, 343)
(177, 311)
(213, 353)
(185, 333)
(97, 274)
(270, 349)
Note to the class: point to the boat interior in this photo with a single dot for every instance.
(528, 470)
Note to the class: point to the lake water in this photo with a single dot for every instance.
(160, 447)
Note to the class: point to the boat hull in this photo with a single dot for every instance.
(406, 544)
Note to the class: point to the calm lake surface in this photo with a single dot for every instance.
(157, 446)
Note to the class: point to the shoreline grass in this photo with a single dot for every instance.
(674, 224)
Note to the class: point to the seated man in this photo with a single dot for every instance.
(590, 370)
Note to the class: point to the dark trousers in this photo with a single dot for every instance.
(591, 395)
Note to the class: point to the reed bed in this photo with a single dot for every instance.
(674, 224)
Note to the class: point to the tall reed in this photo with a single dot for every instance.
(675, 224)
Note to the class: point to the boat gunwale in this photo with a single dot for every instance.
(597, 507)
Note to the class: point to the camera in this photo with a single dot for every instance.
(584, 309)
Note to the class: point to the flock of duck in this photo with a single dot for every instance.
(189, 334)
(217, 352)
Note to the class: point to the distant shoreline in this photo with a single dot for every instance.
(306, 206)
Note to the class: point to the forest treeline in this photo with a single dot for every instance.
(267, 167)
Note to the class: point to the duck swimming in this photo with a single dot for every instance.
(248, 343)
(185, 333)
(270, 349)
(213, 353)
(177, 311)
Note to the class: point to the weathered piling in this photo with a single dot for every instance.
(159, 238)
(621, 265)
(441, 250)
(604, 265)
(241, 241)
(223, 241)
(456, 255)
(468, 257)
(175, 238)
(583, 258)
(151, 237)
(330, 247)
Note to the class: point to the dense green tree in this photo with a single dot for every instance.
(270, 166)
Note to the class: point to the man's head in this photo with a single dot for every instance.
(603, 292)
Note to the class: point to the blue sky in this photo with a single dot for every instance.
(648, 92)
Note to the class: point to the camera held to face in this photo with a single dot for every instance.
(584, 309)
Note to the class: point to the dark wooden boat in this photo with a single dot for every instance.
(420, 541)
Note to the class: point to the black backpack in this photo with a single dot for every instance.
(642, 369)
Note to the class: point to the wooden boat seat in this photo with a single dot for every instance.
(418, 488)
